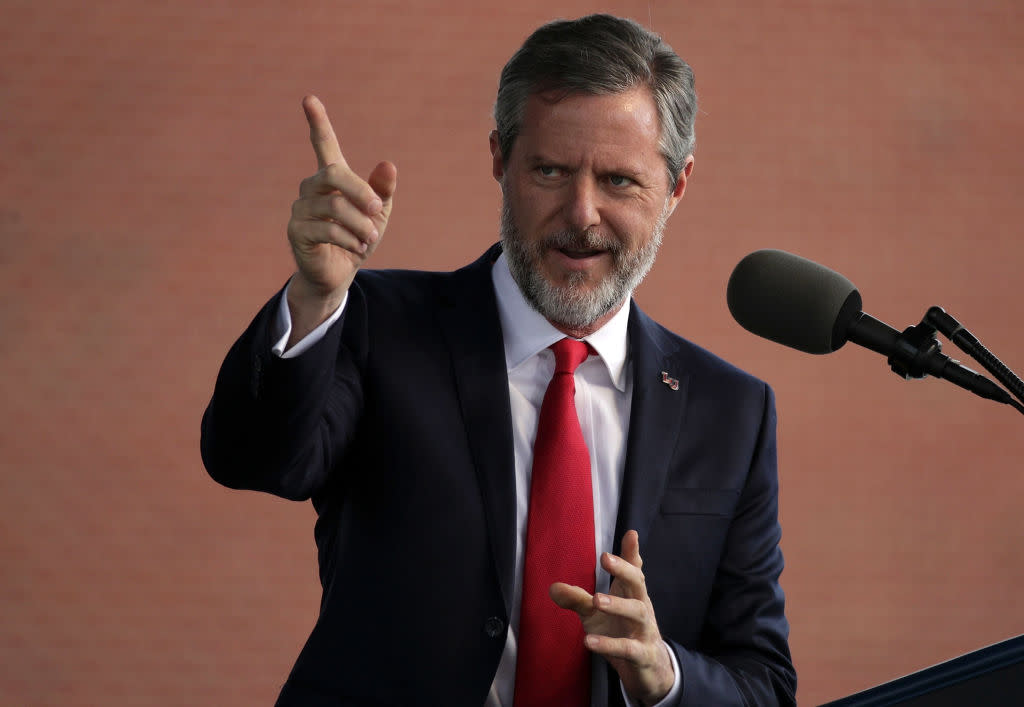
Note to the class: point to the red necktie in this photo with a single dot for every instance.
(552, 665)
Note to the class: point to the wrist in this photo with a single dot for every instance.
(310, 306)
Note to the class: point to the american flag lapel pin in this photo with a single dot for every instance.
(672, 383)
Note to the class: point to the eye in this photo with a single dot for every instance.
(617, 180)
(549, 171)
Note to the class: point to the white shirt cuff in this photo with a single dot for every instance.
(677, 684)
(282, 328)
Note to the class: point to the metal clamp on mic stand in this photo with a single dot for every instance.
(916, 353)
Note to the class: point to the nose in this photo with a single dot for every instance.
(582, 204)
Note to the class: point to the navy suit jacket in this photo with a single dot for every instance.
(397, 426)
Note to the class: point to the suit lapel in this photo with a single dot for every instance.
(469, 320)
(656, 419)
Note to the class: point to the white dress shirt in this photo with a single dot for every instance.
(604, 386)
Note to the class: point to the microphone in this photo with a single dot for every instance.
(803, 305)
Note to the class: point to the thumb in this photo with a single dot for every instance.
(384, 180)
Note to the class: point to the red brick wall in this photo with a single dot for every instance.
(148, 158)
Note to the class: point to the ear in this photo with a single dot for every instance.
(497, 163)
(680, 186)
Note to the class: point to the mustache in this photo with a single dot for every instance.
(580, 240)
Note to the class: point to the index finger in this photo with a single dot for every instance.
(321, 134)
(631, 548)
(627, 578)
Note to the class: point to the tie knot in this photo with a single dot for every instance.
(569, 353)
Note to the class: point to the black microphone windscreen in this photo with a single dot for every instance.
(792, 301)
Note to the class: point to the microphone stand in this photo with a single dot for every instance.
(955, 332)
(916, 353)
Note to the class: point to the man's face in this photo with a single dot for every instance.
(585, 200)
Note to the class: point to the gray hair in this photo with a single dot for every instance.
(600, 54)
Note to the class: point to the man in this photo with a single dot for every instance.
(474, 548)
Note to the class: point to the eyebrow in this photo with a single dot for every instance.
(623, 170)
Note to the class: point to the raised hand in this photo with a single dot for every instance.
(336, 224)
(621, 626)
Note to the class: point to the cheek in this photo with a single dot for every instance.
(638, 226)
(535, 213)
(628, 229)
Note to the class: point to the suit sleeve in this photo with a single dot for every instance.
(744, 654)
(281, 425)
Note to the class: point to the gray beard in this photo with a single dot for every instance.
(573, 306)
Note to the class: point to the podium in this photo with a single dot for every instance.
(993, 675)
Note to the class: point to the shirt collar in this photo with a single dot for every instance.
(526, 332)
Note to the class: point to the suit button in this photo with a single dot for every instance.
(494, 626)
